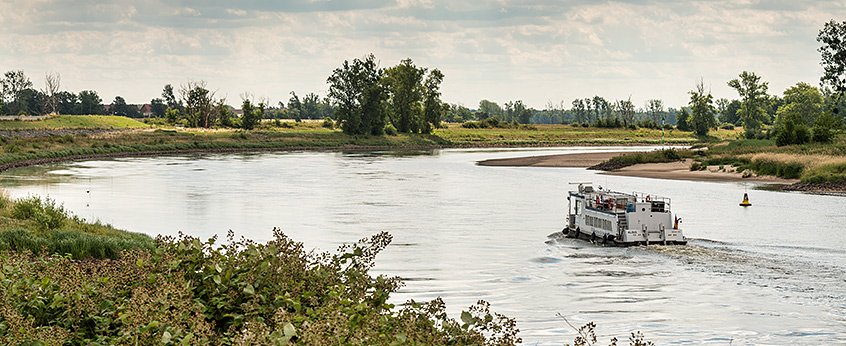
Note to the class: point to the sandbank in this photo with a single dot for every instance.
(679, 170)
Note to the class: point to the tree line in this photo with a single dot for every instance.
(366, 99)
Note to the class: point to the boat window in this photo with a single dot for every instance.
(578, 207)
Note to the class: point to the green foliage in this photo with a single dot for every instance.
(358, 95)
(328, 123)
(45, 226)
(792, 130)
(702, 110)
(188, 291)
(825, 127)
(727, 126)
(45, 213)
(682, 120)
(833, 53)
(390, 130)
(753, 93)
(802, 102)
(657, 156)
(252, 114)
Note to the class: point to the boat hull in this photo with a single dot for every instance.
(607, 240)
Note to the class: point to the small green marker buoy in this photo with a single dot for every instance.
(745, 202)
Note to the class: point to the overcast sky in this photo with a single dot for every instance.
(535, 51)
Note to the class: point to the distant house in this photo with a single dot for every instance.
(146, 109)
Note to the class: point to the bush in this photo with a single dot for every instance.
(45, 213)
(727, 126)
(390, 130)
(328, 123)
(188, 291)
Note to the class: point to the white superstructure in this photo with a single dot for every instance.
(618, 218)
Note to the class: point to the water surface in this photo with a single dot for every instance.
(769, 274)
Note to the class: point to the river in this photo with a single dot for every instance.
(773, 273)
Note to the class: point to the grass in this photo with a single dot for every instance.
(74, 122)
(815, 162)
(290, 135)
(657, 156)
(39, 225)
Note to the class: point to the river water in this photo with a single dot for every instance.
(773, 273)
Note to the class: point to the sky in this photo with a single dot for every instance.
(537, 51)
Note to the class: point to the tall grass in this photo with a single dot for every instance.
(40, 225)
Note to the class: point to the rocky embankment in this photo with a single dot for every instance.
(838, 187)
(12, 134)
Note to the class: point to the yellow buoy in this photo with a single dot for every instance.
(745, 202)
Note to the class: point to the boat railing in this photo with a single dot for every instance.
(643, 197)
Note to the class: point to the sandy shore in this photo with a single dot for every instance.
(561, 160)
(673, 170)
(681, 171)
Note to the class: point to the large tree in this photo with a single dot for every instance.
(89, 103)
(753, 94)
(358, 96)
(404, 83)
(199, 103)
(13, 85)
(52, 82)
(311, 106)
(627, 111)
(701, 109)
(833, 54)
(655, 110)
(492, 109)
(805, 101)
(433, 108)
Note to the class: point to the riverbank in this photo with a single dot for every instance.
(679, 170)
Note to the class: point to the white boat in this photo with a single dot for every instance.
(616, 218)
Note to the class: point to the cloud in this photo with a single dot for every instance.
(496, 49)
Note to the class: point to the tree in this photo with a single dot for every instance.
(490, 108)
(224, 114)
(311, 106)
(357, 95)
(169, 97)
(627, 111)
(89, 103)
(728, 113)
(701, 109)
(158, 108)
(580, 111)
(804, 100)
(295, 107)
(516, 111)
(655, 110)
(825, 127)
(404, 85)
(251, 115)
(198, 103)
(13, 85)
(792, 130)
(753, 94)
(682, 120)
(66, 102)
(119, 107)
(52, 81)
(833, 53)
(432, 105)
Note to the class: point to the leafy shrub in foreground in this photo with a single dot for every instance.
(191, 292)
